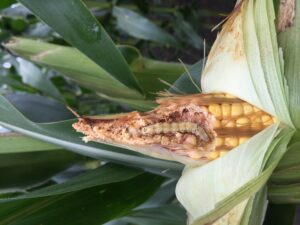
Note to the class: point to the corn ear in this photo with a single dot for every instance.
(247, 49)
(246, 62)
(192, 129)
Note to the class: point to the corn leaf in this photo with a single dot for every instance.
(62, 134)
(113, 196)
(16, 143)
(76, 24)
(140, 27)
(281, 214)
(189, 81)
(21, 171)
(85, 72)
(106, 174)
(72, 63)
(164, 215)
(33, 76)
(284, 194)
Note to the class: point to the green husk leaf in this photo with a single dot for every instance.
(256, 209)
(289, 40)
(241, 187)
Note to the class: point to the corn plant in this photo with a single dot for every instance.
(211, 143)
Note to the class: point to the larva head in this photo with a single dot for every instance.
(190, 129)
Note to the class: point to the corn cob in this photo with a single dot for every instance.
(201, 126)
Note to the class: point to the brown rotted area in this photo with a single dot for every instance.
(185, 129)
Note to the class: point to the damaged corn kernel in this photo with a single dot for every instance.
(202, 126)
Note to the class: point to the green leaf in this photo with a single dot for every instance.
(106, 174)
(281, 215)
(85, 72)
(62, 134)
(15, 143)
(20, 171)
(289, 40)
(111, 200)
(34, 77)
(164, 215)
(71, 62)
(288, 170)
(189, 83)
(6, 3)
(75, 23)
(284, 194)
(39, 108)
(187, 33)
(141, 28)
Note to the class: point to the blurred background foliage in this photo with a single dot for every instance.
(43, 183)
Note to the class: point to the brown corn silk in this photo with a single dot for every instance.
(198, 127)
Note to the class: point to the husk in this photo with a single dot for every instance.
(200, 189)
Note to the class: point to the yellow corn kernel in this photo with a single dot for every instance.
(215, 109)
(228, 123)
(248, 109)
(236, 109)
(226, 110)
(256, 123)
(231, 142)
(221, 153)
(229, 96)
(219, 142)
(243, 122)
(219, 95)
(267, 120)
(217, 124)
(256, 109)
(243, 139)
(213, 155)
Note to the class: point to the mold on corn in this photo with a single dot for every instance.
(201, 126)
